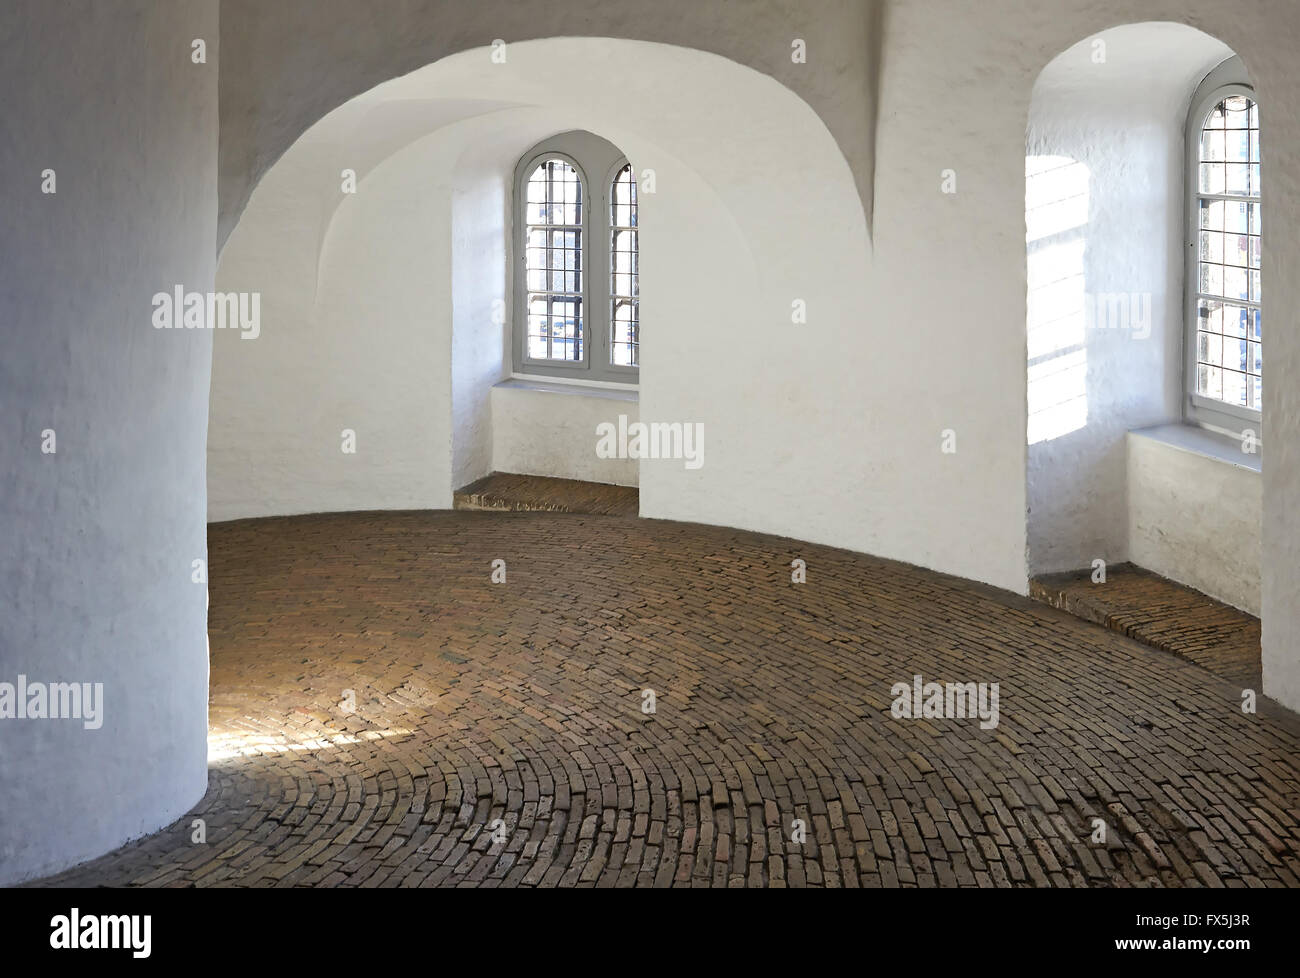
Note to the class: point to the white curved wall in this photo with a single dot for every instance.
(100, 535)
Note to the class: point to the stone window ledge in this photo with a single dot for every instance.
(1201, 441)
(629, 394)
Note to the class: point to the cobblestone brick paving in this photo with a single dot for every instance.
(1163, 614)
(504, 491)
(522, 702)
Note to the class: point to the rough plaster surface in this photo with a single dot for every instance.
(346, 345)
(290, 62)
(1195, 520)
(479, 348)
(539, 432)
(99, 537)
(1105, 223)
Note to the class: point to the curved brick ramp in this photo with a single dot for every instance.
(523, 702)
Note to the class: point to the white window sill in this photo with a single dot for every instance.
(610, 393)
(1200, 441)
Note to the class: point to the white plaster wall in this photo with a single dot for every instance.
(360, 295)
(479, 220)
(361, 352)
(357, 332)
(99, 537)
(1195, 519)
(542, 432)
(1104, 219)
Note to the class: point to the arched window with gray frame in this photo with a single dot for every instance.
(576, 266)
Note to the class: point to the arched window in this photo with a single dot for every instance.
(624, 315)
(1225, 305)
(572, 319)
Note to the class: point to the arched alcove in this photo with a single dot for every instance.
(1105, 227)
(378, 306)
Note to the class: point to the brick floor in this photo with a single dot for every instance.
(506, 491)
(1163, 614)
(522, 702)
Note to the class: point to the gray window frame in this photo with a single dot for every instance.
(588, 154)
(1228, 78)
(624, 374)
